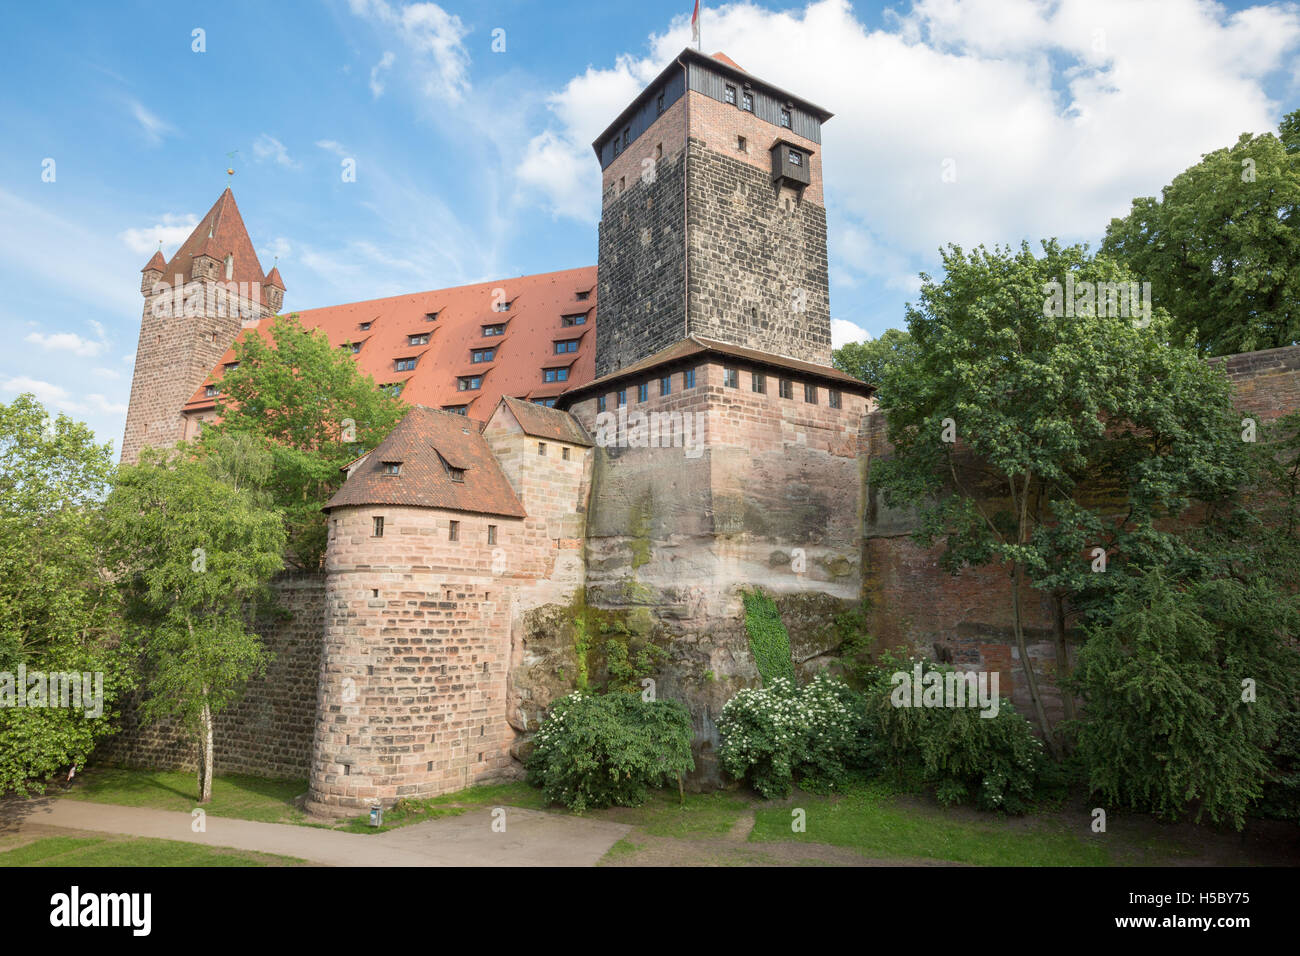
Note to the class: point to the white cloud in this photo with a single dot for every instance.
(1055, 113)
(376, 73)
(332, 146)
(173, 229)
(433, 35)
(155, 128)
(844, 332)
(268, 147)
(108, 373)
(71, 342)
(56, 396)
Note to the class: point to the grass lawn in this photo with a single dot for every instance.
(236, 795)
(133, 851)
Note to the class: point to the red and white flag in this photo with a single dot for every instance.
(695, 24)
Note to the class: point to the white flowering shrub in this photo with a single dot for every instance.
(781, 734)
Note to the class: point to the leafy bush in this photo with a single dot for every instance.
(993, 762)
(768, 640)
(782, 733)
(598, 751)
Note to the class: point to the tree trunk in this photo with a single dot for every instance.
(1031, 680)
(205, 762)
(1063, 668)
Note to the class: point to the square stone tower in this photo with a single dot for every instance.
(713, 223)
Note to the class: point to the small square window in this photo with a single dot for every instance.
(730, 378)
(730, 95)
(564, 452)
(455, 474)
(810, 394)
(742, 144)
(600, 403)
(758, 382)
(666, 385)
(583, 295)
(492, 534)
(688, 378)
(377, 526)
(392, 467)
(453, 530)
(796, 158)
(643, 392)
(541, 448)
(787, 388)
(833, 398)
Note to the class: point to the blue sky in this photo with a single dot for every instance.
(473, 164)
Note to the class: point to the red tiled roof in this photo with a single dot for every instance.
(532, 327)
(729, 61)
(421, 440)
(273, 278)
(220, 233)
(157, 262)
(542, 422)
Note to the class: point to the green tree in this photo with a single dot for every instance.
(313, 410)
(193, 555)
(1026, 433)
(868, 360)
(56, 609)
(1221, 247)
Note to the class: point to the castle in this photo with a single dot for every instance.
(692, 443)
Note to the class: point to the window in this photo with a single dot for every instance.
(810, 394)
(503, 306)
(796, 158)
(490, 330)
(643, 392)
(747, 102)
(431, 316)
(787, 388)
(742, 144)
(230, 267)
(456, 409)
(453, 530)
(584, 295)
(541, 449)
(833, 398)
(666, 385)
(231, 366)
(377, 526)
(469, 383)
(659, 105)
(365, 326)
(730, 378)
(555, 374)
(785, 118)
(622, 397)
(405, 364)
(579, 318)
(758, 382)
(492, 534)
(568, 345)
(600, 403)
(688, 378)
(211, 391)
(544, 402)
(455, 474)
(730, 95)
(482, 355)
(564, 452)
(422, 339)
(392, 388)
(392, 467)
(659, 150)
(627, 136)
(622, 183)
(356, 347)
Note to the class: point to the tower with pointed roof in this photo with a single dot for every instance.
(194, 306)
(713, 223)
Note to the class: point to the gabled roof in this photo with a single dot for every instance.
(694, 348)
(220, 233)
(538, 303)
(542, 422)
(421, 441)
(157, 262)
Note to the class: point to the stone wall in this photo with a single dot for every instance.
(268, 732)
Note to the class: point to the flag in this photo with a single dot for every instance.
(695, 24)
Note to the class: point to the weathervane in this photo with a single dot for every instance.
(230, 170)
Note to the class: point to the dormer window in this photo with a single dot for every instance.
(405, 364)
(355, 346)
(469, 383)
(456, 409)
(455, 474)
(431, 316)
(579, 318)
(584, 296)
(230, 266)
(482, 355)
(568, 345)
(490, 330)
(555, 374)
(392, 468)
(422, 339)
(502, 306)
(211, 391)
(365, 326)
(392, 388)
(231, 366)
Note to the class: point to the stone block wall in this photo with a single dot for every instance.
(268, 732)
